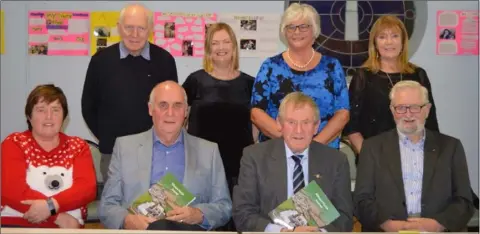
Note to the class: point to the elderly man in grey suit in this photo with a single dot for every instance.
(411, 178)
(140, 160)
(274, 170)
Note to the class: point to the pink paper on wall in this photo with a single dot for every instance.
(58, 33)
(182, 34)
(457, 33)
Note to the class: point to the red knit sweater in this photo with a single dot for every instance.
(28, 173)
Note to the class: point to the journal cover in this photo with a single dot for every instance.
(165, 195)
(308, 207)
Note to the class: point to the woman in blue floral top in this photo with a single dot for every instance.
(301, 68)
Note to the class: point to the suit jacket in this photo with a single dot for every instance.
(379, 189)
(129, 177)
(262, 184)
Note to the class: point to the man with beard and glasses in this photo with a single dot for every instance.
(412, 178)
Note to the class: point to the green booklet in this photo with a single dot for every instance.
(308, 207)
(165, 195)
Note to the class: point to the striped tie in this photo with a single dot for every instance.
(298, 180)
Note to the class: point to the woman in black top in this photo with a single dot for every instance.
(369, 89)
(219, 99)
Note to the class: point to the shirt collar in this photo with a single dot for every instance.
(145, 52)
(290, 152)
(404, 139)
(178, 141)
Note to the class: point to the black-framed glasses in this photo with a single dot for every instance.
(302, 27)
(402, 109)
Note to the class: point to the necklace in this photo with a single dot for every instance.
(300, 66)
(390, 79)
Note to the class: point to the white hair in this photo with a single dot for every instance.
(412, 85)
(151, 100)
(298, 11)
(147, 11)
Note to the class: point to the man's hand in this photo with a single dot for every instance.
(424, 224)
(65, 220)
(305, 229)
(38, 211)
(393, 225)
(137, 222)
(188, 215)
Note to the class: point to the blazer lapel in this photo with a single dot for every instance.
(190, 159)
(430, 156)
(144, 158)
(391, 154)
(314, 161)
(278, 168)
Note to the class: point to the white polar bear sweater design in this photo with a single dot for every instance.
(48, 175)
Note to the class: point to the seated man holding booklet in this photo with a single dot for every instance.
(273, 171)
(145, 159)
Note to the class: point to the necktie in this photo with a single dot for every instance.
(298, 180)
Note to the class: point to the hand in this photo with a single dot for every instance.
(65, 220)
(424, 224)
(393, 225)
(38, 211)
(137, 222)
(305, 229)
(188, 215)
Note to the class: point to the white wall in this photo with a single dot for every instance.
(454, 78)
(455, 86)
(20, 73)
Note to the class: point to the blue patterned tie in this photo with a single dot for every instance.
(298, 180)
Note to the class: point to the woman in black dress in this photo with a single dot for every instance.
(219, 99)
(386, 65)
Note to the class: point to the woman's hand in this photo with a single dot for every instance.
(38, 211)
(65, 220)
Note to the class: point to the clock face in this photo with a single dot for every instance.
(345, 27)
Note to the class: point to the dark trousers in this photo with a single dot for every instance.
(11, 226)
(168, 225)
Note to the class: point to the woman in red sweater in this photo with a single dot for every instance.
(48, 178)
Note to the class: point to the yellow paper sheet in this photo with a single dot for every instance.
(2, 33)
(103, 30)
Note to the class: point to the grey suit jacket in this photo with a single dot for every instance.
(379, 189)
(129, 177)
(262, 184)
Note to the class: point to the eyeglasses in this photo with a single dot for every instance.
(402, 109)
(129, 29)
(302, 27)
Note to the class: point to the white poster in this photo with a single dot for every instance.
(257, 34)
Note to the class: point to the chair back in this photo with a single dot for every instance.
(92, 214)
(347, 149)
(97, 157)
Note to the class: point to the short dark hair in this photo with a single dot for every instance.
(46, 93)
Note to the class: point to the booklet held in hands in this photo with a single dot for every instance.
(308, 207)
(165, 195)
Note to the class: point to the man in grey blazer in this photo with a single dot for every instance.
(411, 178)
(141, 160)
(274, 170)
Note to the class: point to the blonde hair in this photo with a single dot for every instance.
(299, 11)
(207, 58)
(299, 100)
(393, 23)
(405, 84)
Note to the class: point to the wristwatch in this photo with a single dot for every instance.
(51, 206)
